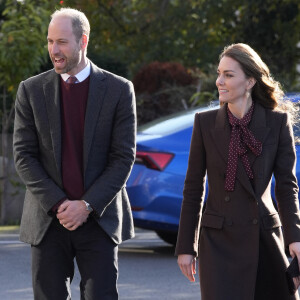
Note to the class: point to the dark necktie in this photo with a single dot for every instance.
(241, 140)
(72, 79)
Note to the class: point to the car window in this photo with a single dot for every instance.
(184, 119)
(174, 122)
(163, 126)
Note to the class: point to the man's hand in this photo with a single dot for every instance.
(187, 265)
(295, 251)
(72, 214)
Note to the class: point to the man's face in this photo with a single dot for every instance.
(67, 55)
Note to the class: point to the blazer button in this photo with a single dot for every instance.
(255, 221)
(227, 199)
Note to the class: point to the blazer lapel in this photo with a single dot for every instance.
(52, 98)
(221, 132)
(258, 127)
(97, 90)
(221, 135)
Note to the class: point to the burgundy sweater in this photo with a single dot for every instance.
(73, 106)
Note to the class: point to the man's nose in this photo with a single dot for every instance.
(55, 48)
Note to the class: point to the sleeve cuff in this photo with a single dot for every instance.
(56, 206)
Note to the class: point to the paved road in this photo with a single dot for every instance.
(148, 270)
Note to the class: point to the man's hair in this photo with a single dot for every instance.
(80, 23)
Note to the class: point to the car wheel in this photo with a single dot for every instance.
(169, 237)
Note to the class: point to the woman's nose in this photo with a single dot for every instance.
(219, 80)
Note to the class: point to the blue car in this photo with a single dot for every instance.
(156, 183)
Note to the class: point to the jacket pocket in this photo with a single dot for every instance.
(212, 221)
(271, 221)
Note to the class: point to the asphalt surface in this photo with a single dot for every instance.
(147, 270)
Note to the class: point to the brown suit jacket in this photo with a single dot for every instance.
(230, 230)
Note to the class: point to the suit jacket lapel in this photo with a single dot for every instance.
(221, 135)
(52, 98)
(258, 127)
(97, 90)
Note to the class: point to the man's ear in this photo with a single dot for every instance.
(84, 41)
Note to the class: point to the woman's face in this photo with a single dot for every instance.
(232, 83)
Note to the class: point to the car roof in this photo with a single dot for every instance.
(184, 119)
(175, 122)
(293, 96)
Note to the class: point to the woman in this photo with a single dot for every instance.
(239, 146)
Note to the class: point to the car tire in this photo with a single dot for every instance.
(169, 237)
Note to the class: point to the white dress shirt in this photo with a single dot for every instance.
(81, 76)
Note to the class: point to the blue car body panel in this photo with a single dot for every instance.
(156, 196)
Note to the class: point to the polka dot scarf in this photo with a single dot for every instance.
(241, 140)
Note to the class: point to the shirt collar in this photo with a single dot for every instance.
(244, 121)
(81, 76)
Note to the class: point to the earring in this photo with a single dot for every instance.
(248, 94)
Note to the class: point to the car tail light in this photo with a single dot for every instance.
(154, 160)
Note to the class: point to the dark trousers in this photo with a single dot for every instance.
(96, 257)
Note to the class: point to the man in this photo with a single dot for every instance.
(74, 147)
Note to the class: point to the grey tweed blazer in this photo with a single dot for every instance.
(109, 151)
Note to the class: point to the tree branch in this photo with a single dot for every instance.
(112, 15)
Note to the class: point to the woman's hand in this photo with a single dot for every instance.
(187, 265)
(295, 251)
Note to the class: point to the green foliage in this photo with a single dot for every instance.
(109, 63)
(126, 35)
(164, 87)
(22, 41)
(136, 32)
(23, 30)
(193, 32)
(273, 28)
